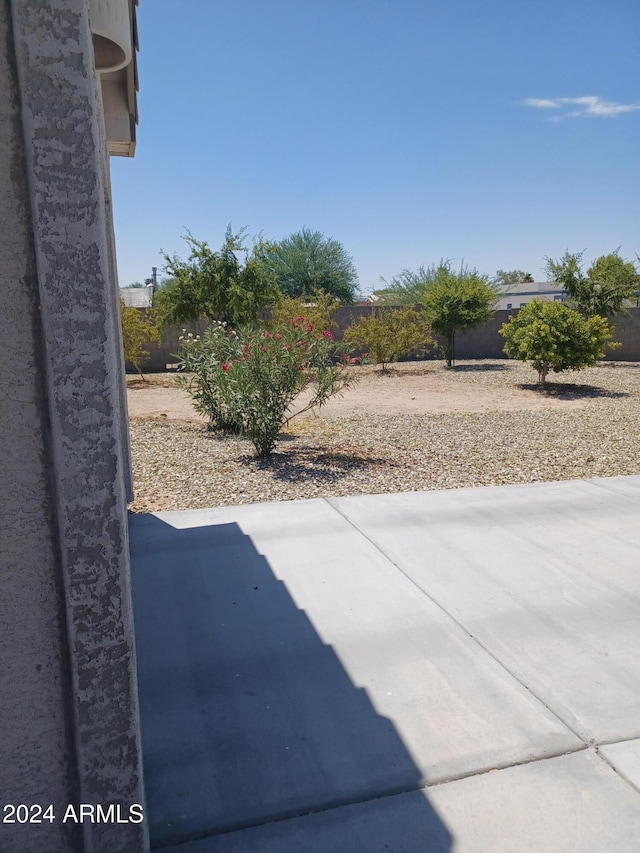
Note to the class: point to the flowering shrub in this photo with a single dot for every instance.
(202, 357)
(246, 380)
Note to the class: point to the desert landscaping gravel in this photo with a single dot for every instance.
(496, 428)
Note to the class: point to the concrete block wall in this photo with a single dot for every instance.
(164, 353)
(481, 342)
(627, 333)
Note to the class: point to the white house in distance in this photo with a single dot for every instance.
(137, 297)
(524, 291)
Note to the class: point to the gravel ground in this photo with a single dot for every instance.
(592, 430)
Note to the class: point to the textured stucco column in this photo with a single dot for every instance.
(71, 706)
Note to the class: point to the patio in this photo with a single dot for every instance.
(435, 671)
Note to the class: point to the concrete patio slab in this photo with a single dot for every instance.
(381, 670)
(544, 576)
(286, 666)
(560, 805)
(625, 759)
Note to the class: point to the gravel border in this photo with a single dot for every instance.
(179, 465)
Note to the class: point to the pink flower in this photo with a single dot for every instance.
(278, 336)
(224, 366)
(327, 334)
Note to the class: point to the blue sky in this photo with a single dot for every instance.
(492, 132)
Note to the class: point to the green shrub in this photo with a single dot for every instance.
(552, 336)
(246, 380)
(139, 329)
(389, 334)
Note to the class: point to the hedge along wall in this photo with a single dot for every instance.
(481, 342)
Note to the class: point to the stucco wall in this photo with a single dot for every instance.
(37, 760)
(72, 710)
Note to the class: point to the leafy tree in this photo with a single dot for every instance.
(135, 284)
(215, 285)
(553, 336)
(389, 334)
(409, 287)
(308, 261)
(602, 290)
(458, 302)
(453, 301)
(139, 329)
(505, 278)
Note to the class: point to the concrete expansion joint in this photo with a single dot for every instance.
(463, 627)
(534, 759)
(174, 846)
(284, 817)
(613, 767)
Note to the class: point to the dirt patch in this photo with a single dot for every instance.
(407, 389)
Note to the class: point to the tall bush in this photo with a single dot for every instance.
(216, 285)
(605, 289)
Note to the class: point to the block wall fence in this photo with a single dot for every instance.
(481, 342)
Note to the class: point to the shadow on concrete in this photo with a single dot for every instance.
(247, 716)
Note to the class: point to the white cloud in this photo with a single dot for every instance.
(541, 102)
(589, 105)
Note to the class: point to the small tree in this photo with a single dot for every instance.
(389, 334)
(553, 336)
(453, 301)
(306, 262)
(215, 285)
(603, 289)
(139, 329)
(458, 303)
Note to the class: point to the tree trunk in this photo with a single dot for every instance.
(449, 348)
(542, 376)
